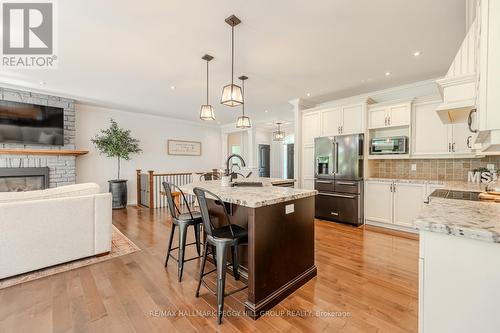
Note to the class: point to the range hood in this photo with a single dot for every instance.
(459, 87)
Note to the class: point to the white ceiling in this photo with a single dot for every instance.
(127, 54)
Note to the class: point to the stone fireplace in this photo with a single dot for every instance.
(23, 179)
(61, 168)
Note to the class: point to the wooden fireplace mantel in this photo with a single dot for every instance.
(65, 152)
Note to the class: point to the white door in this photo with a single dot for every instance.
(461, 138)
(399, 114)
(430, 135)
(352, 119)
(331, 121)
(378, 201)
(308, 168)
(377, 117)
(408, 202)
(310, 127)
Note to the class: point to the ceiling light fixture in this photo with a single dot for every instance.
(172, 87)
(231, 93)
(308, 94)
(266, 111)
(417, 53)
(388, 73)
(278, 135)
(243, 121)
(207, 110)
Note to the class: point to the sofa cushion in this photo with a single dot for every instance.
(58, 192)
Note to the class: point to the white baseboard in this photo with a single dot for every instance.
(392, 226)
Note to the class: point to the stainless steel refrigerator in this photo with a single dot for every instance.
(338, 171)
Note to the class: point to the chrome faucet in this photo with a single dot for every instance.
(229, 169)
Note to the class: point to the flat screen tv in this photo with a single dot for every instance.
(31, 124)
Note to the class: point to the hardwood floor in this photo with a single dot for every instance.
(367, 282)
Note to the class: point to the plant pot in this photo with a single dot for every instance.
(118, 189)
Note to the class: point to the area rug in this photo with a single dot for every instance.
(120, 246)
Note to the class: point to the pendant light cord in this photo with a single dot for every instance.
(232, 56)
(207, 83)
(243, 95)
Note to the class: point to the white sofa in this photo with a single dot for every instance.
(43, 228)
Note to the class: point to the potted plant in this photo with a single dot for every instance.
(117, 142)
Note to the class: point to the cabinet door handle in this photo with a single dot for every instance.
(449, 147)
(385, 121)
(468, 141)
(334, 214)
(394, 188)
(453, 147)
(324, 181)
(389, 120)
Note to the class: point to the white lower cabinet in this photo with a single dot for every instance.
(458, 284)
(408, 201)
(393, 203)
(378, 201)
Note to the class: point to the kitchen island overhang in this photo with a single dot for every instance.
(279, 257)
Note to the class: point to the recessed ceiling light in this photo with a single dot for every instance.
(172, 87)
(266, 111)
(308, 94)
(43, 83)
(388, 73)
(417, 53)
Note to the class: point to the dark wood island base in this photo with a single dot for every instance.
(279, 257)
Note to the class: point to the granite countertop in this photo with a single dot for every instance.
(407, 180)
(469, 219)
(252, 197)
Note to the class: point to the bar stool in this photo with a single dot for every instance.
(183, 221)
(229, 235)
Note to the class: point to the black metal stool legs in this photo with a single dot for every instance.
(202, 269)
(183, 227)
(171, 238)
(221, 278)
(234, 254)
(182, 248)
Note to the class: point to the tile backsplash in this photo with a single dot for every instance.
(430, 169)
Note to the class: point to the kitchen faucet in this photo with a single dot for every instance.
(229, 169)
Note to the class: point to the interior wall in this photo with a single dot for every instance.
(153, 133)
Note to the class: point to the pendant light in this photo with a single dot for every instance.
(278, 135)
(231, 93)
(243, 121)
(207, 110)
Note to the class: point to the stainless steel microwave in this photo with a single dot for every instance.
(391, 145)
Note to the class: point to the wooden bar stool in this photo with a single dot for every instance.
(183, 221)
(222, 237)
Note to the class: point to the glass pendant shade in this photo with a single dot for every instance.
(278, 136)
(232, 95)
(207, 112)
(243, 122)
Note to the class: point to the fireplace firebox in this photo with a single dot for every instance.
(23, 179)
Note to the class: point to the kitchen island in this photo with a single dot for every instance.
(459, 271)
(279, 257)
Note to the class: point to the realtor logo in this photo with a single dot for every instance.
(28, 34)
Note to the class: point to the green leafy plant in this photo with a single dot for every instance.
(116, 142)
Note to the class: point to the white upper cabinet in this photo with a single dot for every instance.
(311, 127)
(461, 138)
(408, 202)
(377, 117)
(399, 114)
(331, 121)
(432, 137)
(389, 115)
(429, 133)
(352, 119)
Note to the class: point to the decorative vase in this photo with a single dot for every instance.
(118, 189)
